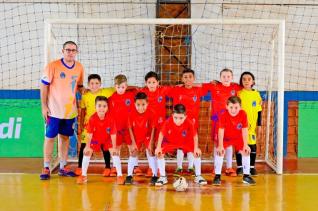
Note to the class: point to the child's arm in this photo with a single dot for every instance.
(88, 144)
(133, 141)
(197, 151)
(158, 150)
(151, 143)
(246, 148)
(220, 148)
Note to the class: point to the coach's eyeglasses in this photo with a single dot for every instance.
(71, 50)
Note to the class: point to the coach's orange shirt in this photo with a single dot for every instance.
(62, 81)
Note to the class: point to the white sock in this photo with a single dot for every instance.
(117, 164)
(85, 164)
(131, 165)
(218, 162)
(246, 164)
(190, 160)
(152, 163)
(136, 162)
(229, 156)
(180, 156)
(162, 167)
(197, 166)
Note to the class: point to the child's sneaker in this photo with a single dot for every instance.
(239, 171)
(248, 180)
(78, 171)
(129, 180)
(153, 180)
(45, 175)
(178, 172)
(200, 180)
(120, 180)
(230, 172)
(113, 172)
(106, 172)
(217, 180)
(66, 173)
(137, 171)
(149, 173)
(253, 172)
(190, 171)
(161, 181)
(81, 180)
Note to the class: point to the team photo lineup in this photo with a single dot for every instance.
(135, 117)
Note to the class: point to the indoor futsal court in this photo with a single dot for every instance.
(159, 105)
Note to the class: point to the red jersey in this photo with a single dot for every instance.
(233, 125)
(157, 102)
(178, 135)
(219, 96)
(190, 98)
(120, 106)
(101, 129)
(141, 124)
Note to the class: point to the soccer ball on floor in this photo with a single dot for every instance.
(180, 184)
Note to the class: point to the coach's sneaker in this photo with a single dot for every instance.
(120, 180)
(253, 172)
(230, 172)
(78, 171)
(81, 180)
(137, 171)
(149, 172)
(45, 175)
(113, 172)
(153, 180)
(190, 171)
(66, 173)
(200, 180)
(106, 172)
(217, 180)
(129, 180)
(178, 172)
(239, 171)
(248, 180)
(161, 181)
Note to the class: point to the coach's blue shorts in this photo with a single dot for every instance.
(56, 126)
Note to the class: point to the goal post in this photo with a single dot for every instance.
(274, 92)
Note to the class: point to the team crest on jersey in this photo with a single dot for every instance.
(184, 133)
(160, 99)
(254, 103)
(127, 102)
(239, 126)
(108, 130)
(253, 137)
(195, 98)
(62, 75)
(233, 92)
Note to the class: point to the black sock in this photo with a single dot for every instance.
(253, 154)
(106, 155)
(246, 175)
(238, 160)
(80, 155)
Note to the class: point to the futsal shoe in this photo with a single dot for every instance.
(248, 180)
(178, 172)
(137, 171)
(217, 180)
(81, 180)
(65, 172)
(120, 180)
(230, 172)
(153, 180)
(253, 172)
(190, 171)
(45, 175)
(106, 172)
(161, 181)
(78, 171)
(129, 180)
(113, 172)
(200, 180)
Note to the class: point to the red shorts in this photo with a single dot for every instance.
(170, 148)
(214, 130)
(97, 146)
(123, 136)
(145, 142)
(237, 144)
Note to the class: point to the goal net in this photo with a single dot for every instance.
(136, 46)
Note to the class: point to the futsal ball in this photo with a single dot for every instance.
(180, 184)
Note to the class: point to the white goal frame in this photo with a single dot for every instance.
(48, 39)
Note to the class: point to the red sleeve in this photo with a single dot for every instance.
(244, 119)
(222, 121)
(90, 126)
(164, 128)
(113, 129)
(193, 131)
(129, 121)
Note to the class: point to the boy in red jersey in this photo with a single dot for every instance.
(141, 128)
(100, 129)
(178, 132)
(233, 131)
(120, 105)
(220, 92)
(189, 95)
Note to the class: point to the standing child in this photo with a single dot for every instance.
(120, 105)
(100, 129)
(233, 132)
(178, 132)
(141, 129)
(252, 105)
(220, 92)
(87, 110)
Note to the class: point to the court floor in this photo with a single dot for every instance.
(272, 192)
